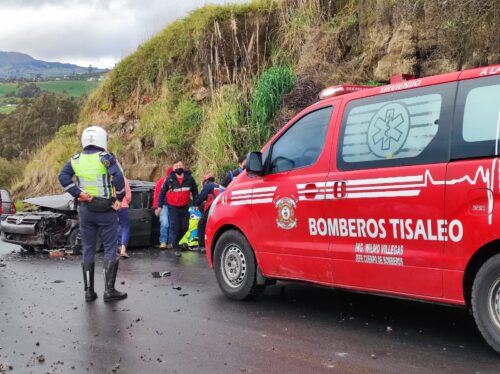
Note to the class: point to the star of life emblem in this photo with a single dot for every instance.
(388, 130)
(286, 213)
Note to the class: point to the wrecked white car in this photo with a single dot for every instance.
(53, 223)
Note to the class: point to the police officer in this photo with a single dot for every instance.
(97, 172)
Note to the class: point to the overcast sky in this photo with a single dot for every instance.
(83, 32)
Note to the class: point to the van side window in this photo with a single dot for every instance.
(403, 128)
(477, 125)
(302, 143)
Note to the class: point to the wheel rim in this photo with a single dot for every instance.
(233, 266)
(494, 303)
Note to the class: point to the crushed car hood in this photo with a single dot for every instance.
(64, 202)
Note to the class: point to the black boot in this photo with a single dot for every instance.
(110, 270)
(88, 281)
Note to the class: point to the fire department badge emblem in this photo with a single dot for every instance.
(286, 213)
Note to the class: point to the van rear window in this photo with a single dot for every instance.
(395, 129)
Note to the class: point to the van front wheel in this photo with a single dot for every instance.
(235, 267)
(486, 301)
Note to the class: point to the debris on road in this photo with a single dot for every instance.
(157, 274)
(41, 358)
(57, 253)
(388, 329)
(58, 281)
(5, 367)
(178, 288)
(183, 294)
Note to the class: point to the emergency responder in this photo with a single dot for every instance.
(206, 197)
(242, 163)
(162, 212)
(97, 172)
(176, 189)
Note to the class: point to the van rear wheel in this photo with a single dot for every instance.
(486, 301)
(235, 267)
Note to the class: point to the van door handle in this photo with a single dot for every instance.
(340, 190)
(311, 187)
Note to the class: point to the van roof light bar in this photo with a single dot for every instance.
(342, 89)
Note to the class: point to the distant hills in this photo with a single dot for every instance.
(20, 65)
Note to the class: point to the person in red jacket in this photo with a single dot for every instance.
(176, 190)
(162, 212)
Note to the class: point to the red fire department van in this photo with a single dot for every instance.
(391, 190)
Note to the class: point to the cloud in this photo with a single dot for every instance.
(97, 32)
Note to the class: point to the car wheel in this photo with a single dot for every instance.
(235, 267)
(486, 301)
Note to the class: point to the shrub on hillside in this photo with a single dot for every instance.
(222, 137)
(170, 125)
(269, 90)
(9, 171)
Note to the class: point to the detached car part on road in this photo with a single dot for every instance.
(55, 223)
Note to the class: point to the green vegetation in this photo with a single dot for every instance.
(9, 171)
(19, 205)
(7, 109)
(267, 97)
(42, 171)
(34, 123)
(7, 88)
(223, 135)
(170, 125)
(73, 88)
(12, 93)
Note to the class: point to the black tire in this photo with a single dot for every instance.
(238, 279)
(486, 301)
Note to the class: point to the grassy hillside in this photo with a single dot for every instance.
(219, 82)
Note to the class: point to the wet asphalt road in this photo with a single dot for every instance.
(291, 328)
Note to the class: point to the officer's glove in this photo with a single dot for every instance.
(84, 197)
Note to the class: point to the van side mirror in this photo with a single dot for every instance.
(254, 164)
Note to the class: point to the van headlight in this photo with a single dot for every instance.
(212, 207)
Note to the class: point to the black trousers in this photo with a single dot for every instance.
(202, 225)
(179, 223)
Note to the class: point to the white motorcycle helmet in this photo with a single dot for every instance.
(95, 135)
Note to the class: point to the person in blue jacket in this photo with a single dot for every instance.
(96, 173)
(207, 196)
